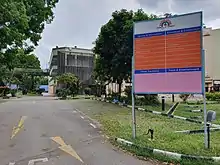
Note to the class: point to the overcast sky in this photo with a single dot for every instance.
(77, 22)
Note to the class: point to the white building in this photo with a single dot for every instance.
(211, 44)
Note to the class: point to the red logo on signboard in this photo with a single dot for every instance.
(165, 23)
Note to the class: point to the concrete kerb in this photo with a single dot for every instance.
(169, 154)
(160, 113)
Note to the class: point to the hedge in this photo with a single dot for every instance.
(213, 96)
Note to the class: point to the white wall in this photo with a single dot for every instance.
(211, 45)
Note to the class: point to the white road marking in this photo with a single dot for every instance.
(82, 117)
(31, 162)
(93, 125)
(11, 163)
(74, 112)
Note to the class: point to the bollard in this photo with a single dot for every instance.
(151, 131)
(163, 103)
(173, 98)
(208, 132)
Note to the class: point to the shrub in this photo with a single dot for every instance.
(69, 81)
(87, 91)
(213, 96)
(148, 99)
(63, 93)
(13, 92)
(128, 91)
(40, 91)
(209, 96)
(4, 91)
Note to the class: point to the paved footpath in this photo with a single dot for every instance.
(44, 131)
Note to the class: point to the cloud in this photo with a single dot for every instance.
(78, 22)
(210, 8)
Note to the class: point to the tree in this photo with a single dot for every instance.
(70, 82)
(114, 45)
(101, 76)
(43, 80)
(21, 64)
(21, 25)
(21, 20)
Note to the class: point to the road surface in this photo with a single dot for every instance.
(44, 131)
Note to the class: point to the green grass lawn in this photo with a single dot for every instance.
(183, 110)
(158, 107)
(116, 122)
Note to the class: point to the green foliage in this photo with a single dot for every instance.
(87, 91)
(151, 99)
(22, 20)
(114, 46)
(4, 91)
(21, 25)
(70, 82)
(43, 80)
(184, 97)
(32, 93)
(63, 93)
(141, 101)
(13, 92)
(213, 96)
(22, 63)
(128, 91)
(22, 60)
(40, 91)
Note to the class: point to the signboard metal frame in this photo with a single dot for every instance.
(202, 54)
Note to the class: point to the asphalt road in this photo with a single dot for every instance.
(44, 131)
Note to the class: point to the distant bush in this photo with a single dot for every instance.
(70, 82)
(87, 91)
(13, 92)
(213, 96)
(128, 91)
(63, 93)
(148, 99)
(40, 91)
(4, 91)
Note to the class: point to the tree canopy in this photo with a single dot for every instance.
(23, 66)
(21, 25)
(22, 20)
(114, 46)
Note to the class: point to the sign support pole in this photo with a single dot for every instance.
(205, 122)
(133, 102)
(204, 102)
(133, 117)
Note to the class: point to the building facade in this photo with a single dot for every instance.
(74, 60)
(211, 45)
